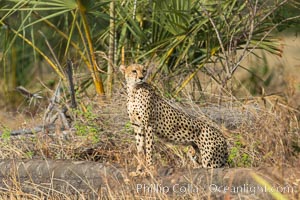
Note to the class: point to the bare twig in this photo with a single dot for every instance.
(52, 52)
(29, 95)
(250, 33)
(53, 101)
(249, 51)
(220, 42)
(71, 83)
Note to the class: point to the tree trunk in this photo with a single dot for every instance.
(110, 69)
(83, 179)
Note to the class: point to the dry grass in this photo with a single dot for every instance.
(259, 135)
(262, 131)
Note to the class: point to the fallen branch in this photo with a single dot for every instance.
(31, 131)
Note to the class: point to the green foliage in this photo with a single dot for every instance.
(237, 157)
(30, 154)
(182, 36)
(5, 134)
(128, 128)
(35, 33)
(287, 12)
(86, 125)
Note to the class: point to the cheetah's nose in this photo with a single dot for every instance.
(141, 78)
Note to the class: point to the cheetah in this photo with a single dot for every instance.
(151, 115)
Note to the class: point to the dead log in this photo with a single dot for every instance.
(97, 180)
(37, 129)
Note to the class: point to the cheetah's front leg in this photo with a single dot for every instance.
(140, 142)
(149, 146)
(149, 138)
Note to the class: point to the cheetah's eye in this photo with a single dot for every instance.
(144, 71)
(133, 71)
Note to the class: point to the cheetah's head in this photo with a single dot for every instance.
(134, 74)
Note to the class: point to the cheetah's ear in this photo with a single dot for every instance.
(122, 69)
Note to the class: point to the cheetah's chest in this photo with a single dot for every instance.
(135, 110)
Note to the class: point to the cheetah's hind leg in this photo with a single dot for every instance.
(193, 153)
